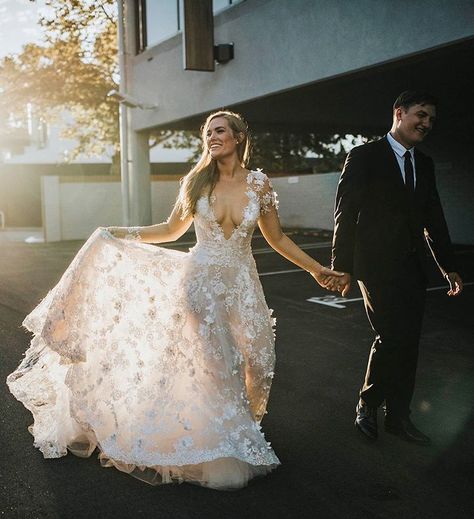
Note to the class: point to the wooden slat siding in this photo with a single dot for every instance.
(198, 35)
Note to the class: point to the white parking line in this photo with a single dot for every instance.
(280, 272)
(264, 250)
(446, 287)
(304, 246)
(336, 301)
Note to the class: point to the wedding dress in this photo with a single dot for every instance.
(162, 359)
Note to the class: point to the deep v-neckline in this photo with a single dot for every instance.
(212, 200)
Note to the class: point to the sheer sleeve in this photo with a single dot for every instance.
(268, 197)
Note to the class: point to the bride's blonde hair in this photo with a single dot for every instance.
(204, 175)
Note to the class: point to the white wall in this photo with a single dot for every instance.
(163, 197)
(307, 201)
(51, 208)
(73, 209)
(88, 205)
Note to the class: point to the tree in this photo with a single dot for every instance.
(301, 152)
(290, 152)
(70, 73)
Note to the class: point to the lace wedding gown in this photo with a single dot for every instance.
(161, 359)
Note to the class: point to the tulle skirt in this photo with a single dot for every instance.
(159, 360)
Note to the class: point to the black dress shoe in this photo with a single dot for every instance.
(366, 420)
(405, 429)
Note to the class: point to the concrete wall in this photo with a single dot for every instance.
(307, 201)
(282, 44)
(73, 209)
(51, 208)
(20, 197)
(455, 179)
(84, 207)
(20, 188)
(456, 190)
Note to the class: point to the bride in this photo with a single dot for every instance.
(161, 359)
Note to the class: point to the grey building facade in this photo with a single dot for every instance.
(313, 65)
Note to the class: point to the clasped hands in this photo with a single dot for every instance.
(333, 280)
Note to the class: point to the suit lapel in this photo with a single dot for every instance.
(420, 175)
(390, 163)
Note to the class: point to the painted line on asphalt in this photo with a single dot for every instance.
(445, 287)
(333, 301)
(280, 272)
(276, 272)
(264, 250)
(304, 246)
(336, 301)
(269, 250)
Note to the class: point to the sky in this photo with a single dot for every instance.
(18, 25)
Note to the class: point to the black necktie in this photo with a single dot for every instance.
(409, 175)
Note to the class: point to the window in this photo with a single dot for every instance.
(158, 20)
(155, 21)
(162, 20)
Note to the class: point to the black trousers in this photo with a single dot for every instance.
(395, 312)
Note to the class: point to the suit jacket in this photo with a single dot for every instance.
(376, 226)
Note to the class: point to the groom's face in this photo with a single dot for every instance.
(414, 124)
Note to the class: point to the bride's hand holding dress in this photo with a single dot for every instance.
(174, 227)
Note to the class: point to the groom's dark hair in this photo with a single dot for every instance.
(414, 97)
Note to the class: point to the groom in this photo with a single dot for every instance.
(387, 209)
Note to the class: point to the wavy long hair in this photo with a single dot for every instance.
(204, 175)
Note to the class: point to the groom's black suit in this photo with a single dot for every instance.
(379, 238)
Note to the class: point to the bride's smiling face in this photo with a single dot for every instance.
(220, 139)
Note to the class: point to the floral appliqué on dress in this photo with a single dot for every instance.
(162, 359)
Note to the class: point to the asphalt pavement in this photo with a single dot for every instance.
(328, 470)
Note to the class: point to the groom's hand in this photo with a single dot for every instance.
(344, 284)
(455, 283)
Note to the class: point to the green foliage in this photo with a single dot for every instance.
(297, 152)
(70, 73)
(281, 152)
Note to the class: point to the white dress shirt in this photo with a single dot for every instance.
(400, 151)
